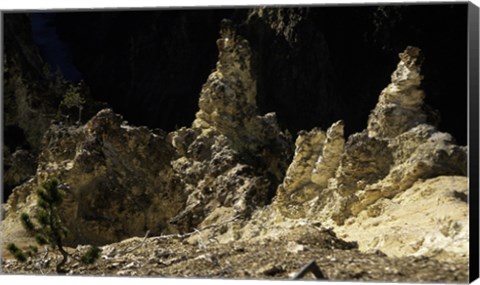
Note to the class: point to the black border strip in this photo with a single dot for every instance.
(1, 125)
(240, 6)
(473, 63)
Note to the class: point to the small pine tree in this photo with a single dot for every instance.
(51, 230)
(73, 98)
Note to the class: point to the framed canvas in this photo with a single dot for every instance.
(325, 141)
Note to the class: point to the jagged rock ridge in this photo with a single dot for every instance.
(228, 165)
(397, 152)
(122, 181)
(231, 159)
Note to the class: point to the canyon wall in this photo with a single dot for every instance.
(398, 186)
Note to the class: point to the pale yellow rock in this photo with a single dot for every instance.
(232, 159)
(308, 148)
(428, 219)
(420, 153)
(329, 158)
(388, 187)
(399, 186)
(399, 106)
(317, 156)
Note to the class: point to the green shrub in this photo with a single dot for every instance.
(92, 254)
(16, 252)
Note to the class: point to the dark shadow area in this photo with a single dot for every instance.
(150, 65)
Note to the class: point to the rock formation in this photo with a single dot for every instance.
(118, 180)
(231, 160)
(329, 158)
(123, 181)
(380, 167)
(32, 92)
(316, 159)
(430, 219)
(399, 107)
(231, 175)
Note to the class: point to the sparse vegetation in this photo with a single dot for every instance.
(74, 98)
(92, 254)
(16, 252)
(50, 229)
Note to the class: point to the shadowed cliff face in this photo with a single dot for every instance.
(148, 65)
(364, 42)
(313, 66)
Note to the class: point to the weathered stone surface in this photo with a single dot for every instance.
(427, 219)
(228, 99)
(122, 181)
(399, 107)
(329, 159)
(222, 178)
(387, 164)
(231, 159)
(118, 181)
(316, 159)
(421, 153)
(398, 187)
(365, 161)
(308, 149)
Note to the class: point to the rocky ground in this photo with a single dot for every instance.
(174, 256)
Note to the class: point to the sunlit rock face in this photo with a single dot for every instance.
(117, 178)
(329, 160)
(399, 107)
(430, 218)
(354, 186)
(317, 156)
(398, 186)
(231, 159)
(123, 181)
